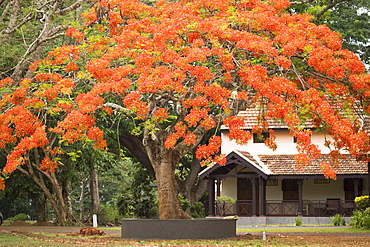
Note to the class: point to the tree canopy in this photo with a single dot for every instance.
(179, 69)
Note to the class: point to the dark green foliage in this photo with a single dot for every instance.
(338, 220)
(298, 221)
(361, 218)
(224, 204)
(184, 202)
(350, 18)
(109, 215)
(19, 197)
(21, 216)
(197, 210)
(356, 32)
(138, 197)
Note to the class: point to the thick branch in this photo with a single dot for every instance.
(328, 7)
(74, 6)
(135, 145)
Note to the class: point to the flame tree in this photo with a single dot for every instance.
(178, 69)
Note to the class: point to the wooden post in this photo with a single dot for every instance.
(211, 196)
(300, 197)
(262, 198)
(254, 197)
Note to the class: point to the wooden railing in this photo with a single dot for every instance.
(317, 208)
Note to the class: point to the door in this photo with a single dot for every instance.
(245, 196)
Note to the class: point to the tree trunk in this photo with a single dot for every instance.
(39, 203)
(192, 188)
(54, 195)
(67, 200)
(168, 200)
(135, 145)
(94, 192)
(82, 198)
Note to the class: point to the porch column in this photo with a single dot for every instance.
(218, 186)
(368, 179)
(300, 197)
(211, 196)
(262, 196)
(356, 182)
(218, 193)
(254, 197)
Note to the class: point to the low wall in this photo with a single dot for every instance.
(207, 228)
(273, 220)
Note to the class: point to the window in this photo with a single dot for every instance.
(321, 181)
(260, 138)
(349, 188)
(290, 189)
(272, 182)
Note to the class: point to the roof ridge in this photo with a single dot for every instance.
(260, 163)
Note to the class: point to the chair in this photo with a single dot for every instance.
(306, 208)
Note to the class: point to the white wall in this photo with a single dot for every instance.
(311, 190)
(229, 187)
(285, 144)
(274, 192)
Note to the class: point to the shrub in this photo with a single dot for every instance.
(338, 220)
(298, 221)
(109, 215)
(197, 210)
(184, 202)
(21, 216)
(362, 202)
(224, 203)
(361, 218)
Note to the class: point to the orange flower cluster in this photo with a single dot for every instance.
(73, 32)
(48, 165)
(206, 152)
(328, 171)
(192, 65)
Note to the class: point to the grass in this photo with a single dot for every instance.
(22, 238)
(306, 229)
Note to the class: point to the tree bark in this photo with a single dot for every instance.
(94, 192)
(82, 198)
(54, 195)
(168, 200)
(67, 199)
(193, 188)
(135, 146)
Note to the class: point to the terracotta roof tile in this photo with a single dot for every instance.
(251, 119)
(287, 165)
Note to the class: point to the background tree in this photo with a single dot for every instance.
(28, 27)
(335, 14)
(180, 69)
(137, 197)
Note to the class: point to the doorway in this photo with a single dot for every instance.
(245, 196)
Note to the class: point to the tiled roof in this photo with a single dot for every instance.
(251, 116)
(366, 124)
(287, 165)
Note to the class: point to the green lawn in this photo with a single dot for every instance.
(306, 229)
(29, 239)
